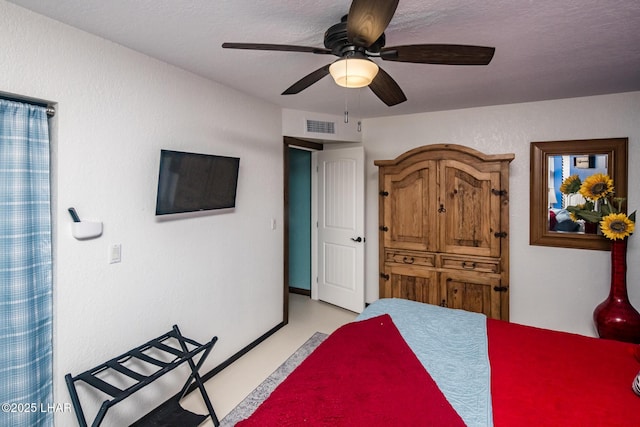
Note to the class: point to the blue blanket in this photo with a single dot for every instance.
(452, 346)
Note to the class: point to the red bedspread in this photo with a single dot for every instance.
(364, 374)
(547, 378)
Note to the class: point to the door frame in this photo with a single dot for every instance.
(293, 143)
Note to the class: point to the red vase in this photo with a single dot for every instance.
(615, 317)
(591, 227)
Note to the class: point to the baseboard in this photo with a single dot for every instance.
(207, 376)
(300, 291)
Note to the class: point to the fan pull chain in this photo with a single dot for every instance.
(346, 94)
(346, 106)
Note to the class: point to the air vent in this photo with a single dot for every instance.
(317, 126)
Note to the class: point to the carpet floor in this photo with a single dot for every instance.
(257, 396)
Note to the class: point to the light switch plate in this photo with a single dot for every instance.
(115, 253)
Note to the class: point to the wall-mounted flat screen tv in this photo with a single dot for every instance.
(191, 182)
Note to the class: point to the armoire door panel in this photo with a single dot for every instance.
(471, 211)
(410, 283)
(409, 206)
(472, 293)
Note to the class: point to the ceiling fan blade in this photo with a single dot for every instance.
(277, 47)
(307, 80)
(448, 54)
(368, 19)
(387, 89)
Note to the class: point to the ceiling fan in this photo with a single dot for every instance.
(360, 36)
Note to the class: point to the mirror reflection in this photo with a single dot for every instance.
(561, 167)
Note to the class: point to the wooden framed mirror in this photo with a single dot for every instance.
(588, 156)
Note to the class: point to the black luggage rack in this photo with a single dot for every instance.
(169, 413)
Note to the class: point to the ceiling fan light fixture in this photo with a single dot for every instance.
(353, 72)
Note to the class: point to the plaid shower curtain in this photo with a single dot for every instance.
(25, 267)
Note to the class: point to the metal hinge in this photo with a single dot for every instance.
(501, 234)
(500, 288)
(499, 192)
(383, 228)
(384, 276)
(384, 193)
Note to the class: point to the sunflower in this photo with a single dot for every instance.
(617, 226)
(596, 187)
(570, 185)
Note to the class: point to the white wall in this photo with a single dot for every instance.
(555, 288)
(211, 274)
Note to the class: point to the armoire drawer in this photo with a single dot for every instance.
(410, 258)
(470, 264)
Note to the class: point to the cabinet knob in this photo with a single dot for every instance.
(441, 209)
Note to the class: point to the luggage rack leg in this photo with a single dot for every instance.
(196, 376)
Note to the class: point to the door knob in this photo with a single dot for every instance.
(357, 239)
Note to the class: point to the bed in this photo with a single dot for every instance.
(404, 363)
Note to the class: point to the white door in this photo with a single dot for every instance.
(340, 250)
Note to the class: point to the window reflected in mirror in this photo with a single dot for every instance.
(560, 168)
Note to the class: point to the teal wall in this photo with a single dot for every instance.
(299, 219)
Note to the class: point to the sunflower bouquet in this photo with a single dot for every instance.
(600, 205)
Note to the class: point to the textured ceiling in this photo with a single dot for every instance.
(545, 49)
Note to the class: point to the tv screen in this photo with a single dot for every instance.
(191, 182)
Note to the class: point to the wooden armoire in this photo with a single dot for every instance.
(444, 228)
